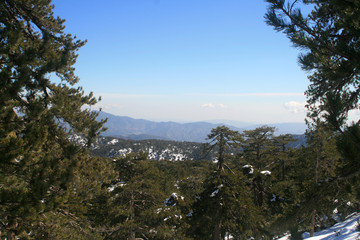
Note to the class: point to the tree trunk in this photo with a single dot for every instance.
(217, 229)
(317, 167)
(11, 236)
(221, 153)
(312, 231)
(132, 236)
(131, 218)
(313, 214)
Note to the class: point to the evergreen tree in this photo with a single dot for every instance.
(74, 218)
(136, 206)
(258, 145)
(283, 153)
(225, 208)
(329, 36)
(310, 192)
(39, 107)
(281, 188)
(221, 139)
(323, 156)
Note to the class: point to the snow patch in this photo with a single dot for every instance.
(112, 187)
(273, 198)
(251, 171)
(346, 230)
(172, 199)
(113, 142)
(266, 173)
(213, 194)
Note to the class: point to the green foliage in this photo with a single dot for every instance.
(225, 207)
(329, 37)
(348, 145)
(36, 114)
(258, 145)
(311, 190)
(295, 233)
(222, 138)
(135, 206)
(283, 155)
(328, 33)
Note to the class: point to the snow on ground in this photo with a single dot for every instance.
(346, 230)
(113, 142)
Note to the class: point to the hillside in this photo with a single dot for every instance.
(160, 149)
(157, 149)
(139, 129)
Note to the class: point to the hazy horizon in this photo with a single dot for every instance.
(214, 121)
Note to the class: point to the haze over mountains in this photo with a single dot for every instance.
(138, 129)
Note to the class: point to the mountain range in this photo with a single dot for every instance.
(139, 129)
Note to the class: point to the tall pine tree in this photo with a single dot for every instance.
(328, 34)
(39, 107)
(225, 207)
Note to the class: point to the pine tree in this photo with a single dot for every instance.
(323, 157)
(221, 139)
(225, 208)
(283, 153)
(258, 145)
(135, 207)
(329, 36)
(311, 191)
(39, 108)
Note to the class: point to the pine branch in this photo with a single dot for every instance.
(312, 33)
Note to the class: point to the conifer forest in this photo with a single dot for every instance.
(243, 185)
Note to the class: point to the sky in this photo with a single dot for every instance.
(186, 60)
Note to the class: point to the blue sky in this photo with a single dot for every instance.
(186, 60)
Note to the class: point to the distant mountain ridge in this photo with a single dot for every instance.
(139, 129)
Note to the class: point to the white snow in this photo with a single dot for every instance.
(251, 171)
(213, 194)
(113, 142)
(112, 187)
(124, 152)
(266, 172)
(174, 154)
(171, 200)
(273, 199)
(77, 139)
(346, 230)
